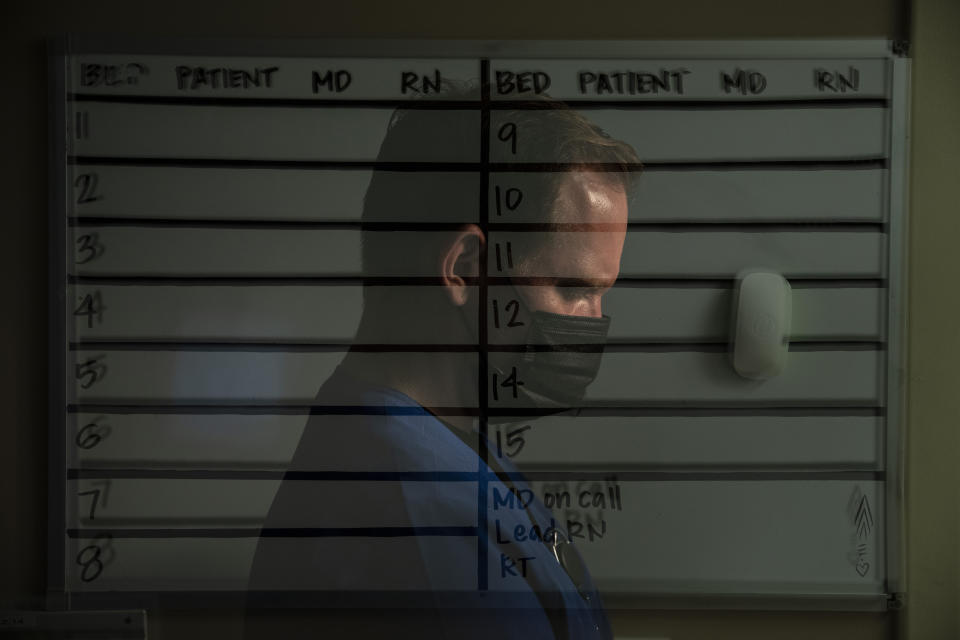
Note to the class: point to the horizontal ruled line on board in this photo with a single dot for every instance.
(318, 601)
(718, 346)
(475, 167)
(719, 282)
(303, 103)
(252, 474)
(496, 104)
(557, 227)
(836, 409)
(625, 475)
(276, 532)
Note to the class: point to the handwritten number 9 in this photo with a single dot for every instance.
(508, 133)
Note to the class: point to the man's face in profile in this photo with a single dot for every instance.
(572, 274)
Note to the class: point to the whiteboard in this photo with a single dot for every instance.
(200, 296)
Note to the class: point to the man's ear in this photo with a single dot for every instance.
(459, 261)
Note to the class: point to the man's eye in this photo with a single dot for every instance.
(573, 293)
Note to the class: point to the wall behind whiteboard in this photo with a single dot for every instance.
(23, 183)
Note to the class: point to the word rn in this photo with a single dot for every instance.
(224, 78)
(523, 532)
(835, 81)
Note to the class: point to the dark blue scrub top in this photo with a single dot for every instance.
(395, 527)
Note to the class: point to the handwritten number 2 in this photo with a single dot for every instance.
(87, 183)
(512, 322)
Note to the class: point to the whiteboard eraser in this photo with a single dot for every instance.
(760, 332)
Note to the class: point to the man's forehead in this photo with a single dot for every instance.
(590, 197)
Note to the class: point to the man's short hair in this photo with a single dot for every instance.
(550, 130)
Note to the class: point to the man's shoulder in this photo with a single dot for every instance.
(355, 426)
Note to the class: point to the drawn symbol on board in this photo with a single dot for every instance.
(863, 567)
(864, 518)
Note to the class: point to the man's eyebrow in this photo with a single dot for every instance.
(582, 283)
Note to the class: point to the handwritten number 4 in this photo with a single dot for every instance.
(91, 306)
(510, 382)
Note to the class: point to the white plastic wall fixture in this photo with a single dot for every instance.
(760, 324)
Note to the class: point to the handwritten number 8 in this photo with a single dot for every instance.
(508, 133)
(90, 559)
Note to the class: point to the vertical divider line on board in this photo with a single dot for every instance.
(59, 83)
(482, 325)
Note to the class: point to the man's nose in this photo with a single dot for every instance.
(594, 309)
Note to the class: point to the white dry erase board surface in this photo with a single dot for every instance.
(205, 280)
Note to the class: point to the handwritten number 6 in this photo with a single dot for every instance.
(91, 434)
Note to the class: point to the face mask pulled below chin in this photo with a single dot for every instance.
(555, 360)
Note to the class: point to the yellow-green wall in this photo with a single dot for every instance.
(933, 455)
(933, 561)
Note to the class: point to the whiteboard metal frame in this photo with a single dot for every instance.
(57, 56)
(376, 48)
(61, 49)
(897, 322)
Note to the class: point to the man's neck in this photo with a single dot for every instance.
(437, 380)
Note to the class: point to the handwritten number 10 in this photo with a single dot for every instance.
(512, 200)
